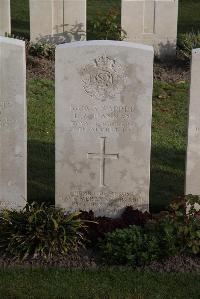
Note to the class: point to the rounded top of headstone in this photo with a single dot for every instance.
(14, 41)
(106, 43)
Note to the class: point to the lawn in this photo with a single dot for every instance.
(58, 283)
(189, 17)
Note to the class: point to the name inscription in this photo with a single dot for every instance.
(102, 119)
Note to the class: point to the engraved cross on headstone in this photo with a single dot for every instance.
(102, 156)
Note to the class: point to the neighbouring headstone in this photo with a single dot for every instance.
(103, 126)
(152, 22)
(57, 21)
(5, 21)
(13, 140)
(193, 147)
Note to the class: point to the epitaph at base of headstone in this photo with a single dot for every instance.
(57, 21)
(192, 185)
(5, 20)
(13, 140)
(152, 22)
(103, 126)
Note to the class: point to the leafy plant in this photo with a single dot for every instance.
(173, 232)
(105, 224)
(106, 27)
(45, 50)
(187, 42)
(130, 246)
(38, 230)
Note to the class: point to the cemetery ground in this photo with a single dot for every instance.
(169, 125)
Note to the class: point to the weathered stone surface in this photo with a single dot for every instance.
(152, 22)
(103, 126)
(193, 147)
(5, 22)
(13, 140)
(57, 21)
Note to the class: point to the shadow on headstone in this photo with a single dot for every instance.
(69, 34)
(166, 51)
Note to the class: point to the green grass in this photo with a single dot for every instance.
(189, 16)
(168, 141)
(41, 151)
(20, 18)
(54, 283)
(169, 129)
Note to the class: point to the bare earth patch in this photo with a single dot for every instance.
(87, 259)
(177, 71)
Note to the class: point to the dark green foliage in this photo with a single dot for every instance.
(39, 230)
(105, 224)
(44, 50)
(181, 226)
(187, 42)
(173, 232)
(130, 246)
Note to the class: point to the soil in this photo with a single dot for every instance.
(88, 259)
(82, 259)
(40, 68)
(184, 264)
(177, 71)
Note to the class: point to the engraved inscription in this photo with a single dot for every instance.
(102, 156)
(101, 200)
(104, 78)
(103, 119)
(6, 119)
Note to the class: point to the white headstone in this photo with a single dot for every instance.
(193, 147)
(152, 22)
(5, 21)
(13, 140)
(103, 126)
(57, 21)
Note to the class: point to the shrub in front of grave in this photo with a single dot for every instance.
(106, 27)
(173, 232)
(187, 42)
(130, 246)
(42, 50)
(99, 226)
(185, 220)
(39, 230)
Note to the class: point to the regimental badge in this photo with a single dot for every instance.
(104, 78)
